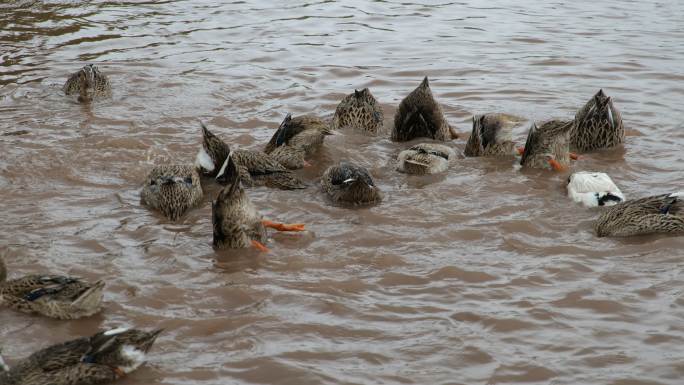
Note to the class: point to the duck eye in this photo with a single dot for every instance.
(153, 182)
(188, 180)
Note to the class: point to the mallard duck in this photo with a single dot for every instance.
(50, 295)
(237, 223)
(420, 116)
(492, 136)
(101, 358)
(597, 125)
(255, 167)
(172, 189)
(593, 189)
(656, 214)
(88, 83)
(296, 139)
(349, 183)
(547, 145)
(360, 111)
(425, 158)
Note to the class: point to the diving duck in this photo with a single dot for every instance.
(349, 183)
(656, 214)
(597, 125)
(593, 189)
(296, 139)
(547, 146)
(359, 111)
(425, 158)
(101, 358)
(172, 189)
(420, 116)
(492, 135)
(237, 223)
(88, 83)
(255, 168)
(50, 295)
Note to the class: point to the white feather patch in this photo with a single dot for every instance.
(349, 180)
(678, 194)
(610, 117)
(588, 187)
(135, 355)
(223, 168)
(116, 331)
(204, 161)
(3, 365)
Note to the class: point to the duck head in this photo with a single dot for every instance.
(122, 349)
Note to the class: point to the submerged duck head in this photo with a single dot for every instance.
(547, 146)
(593, 189)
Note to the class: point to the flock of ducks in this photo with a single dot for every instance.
(175, 189)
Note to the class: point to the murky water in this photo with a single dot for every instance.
(485, 275)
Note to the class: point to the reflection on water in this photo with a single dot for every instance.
(487, 274)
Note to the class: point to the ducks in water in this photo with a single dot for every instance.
(236, 221)
(255, 168)
(492, 135)
(296, 139)
(98, 359)
(88, 83)
(358, 110)
(425, 158)
(172, 190)
(420, 116)
(53, 296)
(349, 183)
(593, 189)
(655, 214)
(597, 125)
(547, 146)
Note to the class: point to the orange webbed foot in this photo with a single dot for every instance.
(283, 226)
(259, 246)
(574, 156)
(520, 150)
(556, 166)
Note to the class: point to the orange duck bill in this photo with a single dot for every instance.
(283, 226)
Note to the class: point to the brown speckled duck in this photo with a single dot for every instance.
(349, 183)
(172, 190)
(358, 111)
(256, 168)
(236, 221)
(88, 83)
(547, 146)
(597, 125)
(296, 139)
(53, 296)
(420, 116)
(425, 158)
(99, 359)
(656, 214)
(492, 135)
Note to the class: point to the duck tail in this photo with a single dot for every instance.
(91, 298)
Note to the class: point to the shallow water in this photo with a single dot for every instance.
(485, 275)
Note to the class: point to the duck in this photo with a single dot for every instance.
(53, 296)
(420, 116)
(349, 183)
(425, 158)
(359, 110)
(492, 135)
(236, 222)
(662, 213)
(172, 189)
(101, 358)
(598, 125)
(547, 146)
(296, 139)
(256, 168)
(88, 83)
(593, 189)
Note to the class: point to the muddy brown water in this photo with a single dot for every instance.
(487, 274)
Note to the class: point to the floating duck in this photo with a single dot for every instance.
(296, 139)
(358, 110)
(349, 183)
(593, 189)
(597, 125)
(492, 135)
(656, 214)
(425, 158)
(172, 190)
(88, 83)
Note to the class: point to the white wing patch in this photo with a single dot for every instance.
(3, 366)
(204, 161)
(134, 355)
(223, 168)
(588, 187)
(116, 331)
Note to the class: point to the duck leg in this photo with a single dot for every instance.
(259, 246)
(283, 226)
(555, 165)
(574, 156)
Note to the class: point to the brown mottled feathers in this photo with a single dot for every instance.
(358, 110)
(598, 124)
(420, 116)
(656, 214)
(491, 136)
(548, 141)
(349, 183)
(172, 190)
